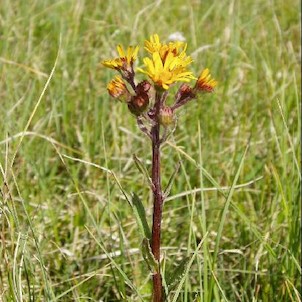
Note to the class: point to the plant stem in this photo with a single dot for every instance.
(157, 203)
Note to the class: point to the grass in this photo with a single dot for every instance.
(67, 232)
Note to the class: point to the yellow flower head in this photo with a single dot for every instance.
(205, 83)
(166, 73)
(118, 89)
(154, 45)
(168, 63)
(125, 59)
(172, 70)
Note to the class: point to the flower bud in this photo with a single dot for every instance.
(166, 116)
(184, 92)
(138, 104)
(143, 87)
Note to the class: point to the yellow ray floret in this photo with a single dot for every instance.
(204, 82)
(125, 59)
(172, 70)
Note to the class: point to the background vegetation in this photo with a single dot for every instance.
(67, 233)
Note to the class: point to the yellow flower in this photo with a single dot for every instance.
(118, 89)
(168, 64)
(154, 45)
(125, 59)
(204, 82)
(169, 71)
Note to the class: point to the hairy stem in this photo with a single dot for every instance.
(158, 203)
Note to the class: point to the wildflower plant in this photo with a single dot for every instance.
(165, 66)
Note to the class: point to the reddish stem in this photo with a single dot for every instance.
(158, 203)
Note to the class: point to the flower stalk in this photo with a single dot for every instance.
(157, 201)
(166, 66)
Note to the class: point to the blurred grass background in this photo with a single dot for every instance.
(61, 217)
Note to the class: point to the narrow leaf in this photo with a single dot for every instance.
(141, 167)
(148, 256)
(187, 270)
(140, 215)
(174, 277)
(171, 180)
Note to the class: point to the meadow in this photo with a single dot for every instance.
(66, 154)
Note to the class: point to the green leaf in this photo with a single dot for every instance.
(178, 272)
(186, 271)
(141, 167)
(148, 256)
(140, 215)
(171, 180)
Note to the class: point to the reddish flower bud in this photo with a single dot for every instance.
(166, 116)
(143, 86)
(184, 92)
(138, 104)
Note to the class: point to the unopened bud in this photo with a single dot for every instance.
(143, 86)
(166, 116)
(138, 104)
(184, 92)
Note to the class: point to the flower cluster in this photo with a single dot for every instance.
(165, 65)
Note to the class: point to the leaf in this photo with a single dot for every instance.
(141, 167)
(140, 215)
(186, 271)
(171, 180)
(148, 256)
(174, 277)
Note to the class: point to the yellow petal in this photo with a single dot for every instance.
(120, 51)
(204, 73)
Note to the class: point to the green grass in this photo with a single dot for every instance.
(67, 231)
